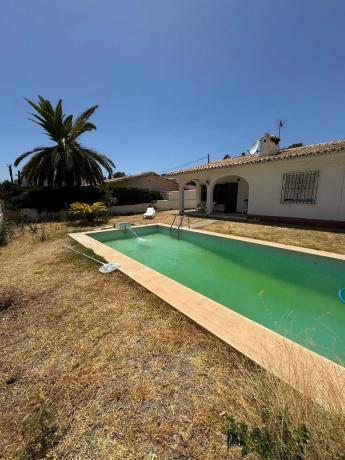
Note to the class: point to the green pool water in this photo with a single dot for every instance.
(291, 293)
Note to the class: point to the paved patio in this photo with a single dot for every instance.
(217, 215)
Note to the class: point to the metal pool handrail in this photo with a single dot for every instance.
(179, 225)
(172, 223)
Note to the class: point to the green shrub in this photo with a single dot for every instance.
(4, 232)
(56, 198)
(4, 225)
(9, 191)
(88, 212)
(59, 198)
(40, 433)
(279, 441)
(128, 195)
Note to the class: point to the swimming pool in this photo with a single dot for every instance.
(289, 292)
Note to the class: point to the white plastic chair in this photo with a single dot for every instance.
(150, 213)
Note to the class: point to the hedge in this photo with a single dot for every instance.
(132, 195)
(59, 198)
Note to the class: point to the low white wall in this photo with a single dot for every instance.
(189, 195)
(170, 203)
(30, 214)
(33, 215)
(171, 200)
(165, 205)
(129, 209)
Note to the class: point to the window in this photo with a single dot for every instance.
(300, 187)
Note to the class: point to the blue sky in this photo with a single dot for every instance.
(175, 79)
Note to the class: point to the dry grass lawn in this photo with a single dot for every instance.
(308, 237)
(95, 367)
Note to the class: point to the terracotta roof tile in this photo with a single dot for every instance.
(284, 154)
(136, 176)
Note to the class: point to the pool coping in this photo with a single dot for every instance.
(310, 373)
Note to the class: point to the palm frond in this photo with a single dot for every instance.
(68, 122)
(81, 124)
(106, 163)
(67, 162)
(87, 113)
(50, 119)
(26, 154)
(33, 171)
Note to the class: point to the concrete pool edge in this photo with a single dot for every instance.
(308, 372)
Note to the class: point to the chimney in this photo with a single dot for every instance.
(269, 144)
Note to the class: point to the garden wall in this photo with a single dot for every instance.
(169, 203)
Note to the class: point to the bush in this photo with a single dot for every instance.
(129, 195)
(265, 441)
(88, 212)
(59, 198)
(9, 191)
(40, 433)
(4, 232)
(4, 225)
(56, 198)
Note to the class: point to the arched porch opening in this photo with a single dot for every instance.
(230, 195)
(200, 194)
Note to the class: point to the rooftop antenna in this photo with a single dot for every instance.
(280, 126)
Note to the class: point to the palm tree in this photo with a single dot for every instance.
(67, 162)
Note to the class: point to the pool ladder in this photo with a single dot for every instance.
(178, 226)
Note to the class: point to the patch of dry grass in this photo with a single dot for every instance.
(120, 373)
(307, 237)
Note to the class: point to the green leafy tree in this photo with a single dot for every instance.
(117, 174)
(67, 162)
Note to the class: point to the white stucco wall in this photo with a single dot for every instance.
(242, 195)
(171, 200)
(265, 185)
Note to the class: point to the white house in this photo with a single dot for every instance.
(300, 184)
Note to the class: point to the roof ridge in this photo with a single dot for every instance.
(287, 153)
(314, 145)
(131, 176)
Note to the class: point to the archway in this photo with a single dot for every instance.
(200, 193)
(200, 197)
(230, 194)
